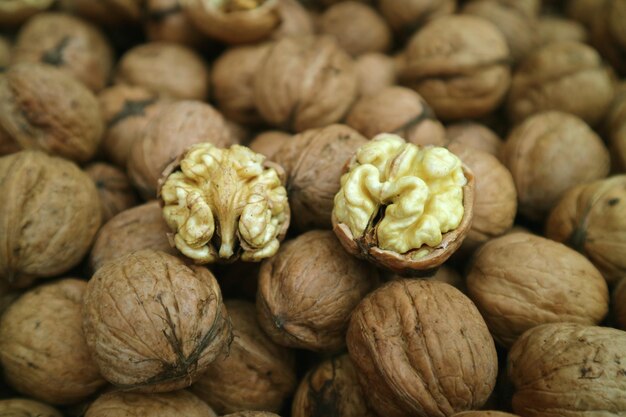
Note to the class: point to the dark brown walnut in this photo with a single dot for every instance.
(484, 413)
(166, 21)
(256, 374)
(175, 128)
(14, 12)
(137, 228)
(170, 69)
(608, 32)
(590, 219)
(374, 72)
(405, 17)
(615, 127)
(421, 348)
(520, 281)
(152, 323)
(116, 193)
(546, 78)
(68, 43)
(42, 348)
(308, 290)
(460, 65)
(397, 110)
(252, 414)
(304, 83)
(19, 407)
(5, 53)
(543, 155)
(41, 107)
(330, 389)
(569, 369)
(618, 304)
(178, 403)
(313, 161)
(106, 12)
(474, 135)
(268, 143)
(50, 216)
(295, 20)
(557, 29)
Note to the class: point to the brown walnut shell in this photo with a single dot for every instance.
(107, 12)
(474, 135)
(116, 193)
(166, 21)
(558, 29)
(615, 125)
(582, 10)
(295, 20)
(169, 404)
(268, 143)
(14, 12)
(619, 304)
(421, 348)
(152, 323)
(375, 72)
(406, 16)
(608, 32)
(18, 407)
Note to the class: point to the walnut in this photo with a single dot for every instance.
(268, 143)
(421, 348)
(168, 133)
(14, 12)
(109, 12)
(166, 68)
(619, 304)
(304, 83)
(615, 124)
(224, 204)
(314, 161)
(459, 65)
(308, 290)
(374, 72)
(68, 43)
(519, 281)
(484, 414)
(178, 403)
(41, 107)
(166, 21)
(474, 135)
(557, 29)
(403, 207)
(405, 16)
(18, 407)
(543, 155)
(152, 323)
(50, 216)
(546, 78)
(137, 228)
(5, 52)
(42, 347)
(569, 369)
(256, 374)
(114, 189)
(295, 20)
(608, 32)
(331, 389)
(583, 10)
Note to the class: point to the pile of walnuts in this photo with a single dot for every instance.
(320, 208)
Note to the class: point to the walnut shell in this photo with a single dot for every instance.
(256, 374)
(294, 88)
(474, 135)
(42, 348)
(50, 216)
(308, 290)
(109, 12)
(152, 323)
(619, 304)
(41, 107)
(543, 155)
(14, 12)
(178, 403)
(295, 20)
(166, 21)
(268, 143)
(608, 33)
(166, 68)
(557, 29)
(314, 161)
(520, 281)
(405, 16)
(582, 10)
(421, 348)
(615, 124)
(375, 72)
(569, 369)
(18, 407)
(116, 193)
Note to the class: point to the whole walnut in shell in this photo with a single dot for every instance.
(308, 290)
(116, 193)
(109, 12)
(520, 280)
(421, 348)
(18, 407)
(314, 161)
(14, 12)
(569, 369)
(615, 124)
(374, 72)
(256, 374)
(42, 107)
(178, 403)
(556, 29)
(269, 143)
(166, 21)
(544, 156)
(50, 216)
(619, 304)
(474, 135)
(304, 83)
(152, 323)
(608, 32)
(42, 348)
(295, 20)
(405, 16)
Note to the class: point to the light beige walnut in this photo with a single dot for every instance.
(14, 12)
(474, 135)
(569, 369)
(256, 374)
(557, 29)
(421, 348)
(166, 21)
(152, 323)
(308, 291)
(619, 304)
(406, 16)
(177, 403)
(268, 143)
(615, 127)
(108, 12)
(520, 281)
(18, 407)
(114, 189)
(375, 71)
(42, 348)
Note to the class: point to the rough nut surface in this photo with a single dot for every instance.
(178, 403)
(19, 407)
(114, 189)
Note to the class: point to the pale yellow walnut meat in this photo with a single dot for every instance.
(225, 204)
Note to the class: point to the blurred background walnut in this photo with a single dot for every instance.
(166, 21)
(168, 404)
(110, 12)
(556, 29)
(375, 71)
(14, 12)
(269, 143)
(475, 136)
(20, 407)
(406, 16)
(615, 126)
(114, 189)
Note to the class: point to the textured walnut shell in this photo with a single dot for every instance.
(178, 403)
(295, 88)
(590, 218)
(608, 32)
(557, 29)
(474, 135)
(256, 374)
(114, 189)
(484, 414)
(405, 16)
(166, 68)
(68, 43)
(109, 12)
(615, 125)
(268, 143)
(42, 348)
(295, 20)
(50, 215)
(166, 21)
(520, 280)
(397, 110)
(152, 323)
(314, 161)
(308, 290)
(619, 304)
(168, 134)
(569, 369)
(543, 155)
(41, 107)
(14, 12)
(459, 64)
(374, 72)
(421, 348)
(19, 407)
